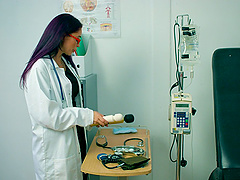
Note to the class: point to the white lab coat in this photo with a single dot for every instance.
(56, 152)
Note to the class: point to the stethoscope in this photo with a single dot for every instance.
(59, 82)
(60, 85)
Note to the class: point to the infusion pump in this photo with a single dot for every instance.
(181, 113)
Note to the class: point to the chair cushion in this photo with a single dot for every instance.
(226, 86)
(231, 174)
(225, 174)
(216, 174)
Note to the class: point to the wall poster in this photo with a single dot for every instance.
(100, 18)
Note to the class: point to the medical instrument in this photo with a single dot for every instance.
(111, 158)
(120, 150)
(59, 82)
(118, 118)
(60, 85)
(140, 143)
(181, 108)
(128, 163)
(186, 44)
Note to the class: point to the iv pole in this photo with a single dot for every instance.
(179, 151)
(180, 136)
(190, 56)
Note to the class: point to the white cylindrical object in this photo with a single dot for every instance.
(118, 117)
(115, 118)
(109, 118)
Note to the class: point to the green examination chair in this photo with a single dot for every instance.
(226, 93)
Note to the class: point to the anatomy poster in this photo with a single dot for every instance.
(100, 18)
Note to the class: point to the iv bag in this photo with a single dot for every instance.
(189, 45)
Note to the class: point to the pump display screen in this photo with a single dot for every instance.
(182, 105)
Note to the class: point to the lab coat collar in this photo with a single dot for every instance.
(54, 62)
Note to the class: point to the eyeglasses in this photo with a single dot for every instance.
(77, 39)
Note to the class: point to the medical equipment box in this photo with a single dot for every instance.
(181, 113)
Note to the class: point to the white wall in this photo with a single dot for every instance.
(22, 23)
(135, 73)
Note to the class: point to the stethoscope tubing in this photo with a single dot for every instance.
(60, 85)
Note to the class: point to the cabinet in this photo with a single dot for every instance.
(89, 94)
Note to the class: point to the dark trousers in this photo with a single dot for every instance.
(83, 148)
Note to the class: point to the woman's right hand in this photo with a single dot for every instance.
(99, 120)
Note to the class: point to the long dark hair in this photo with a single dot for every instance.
(49, 44)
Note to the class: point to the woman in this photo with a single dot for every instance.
(53, 95)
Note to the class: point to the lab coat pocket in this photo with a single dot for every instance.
(65, 169)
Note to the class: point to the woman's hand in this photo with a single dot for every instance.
(99, 120)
